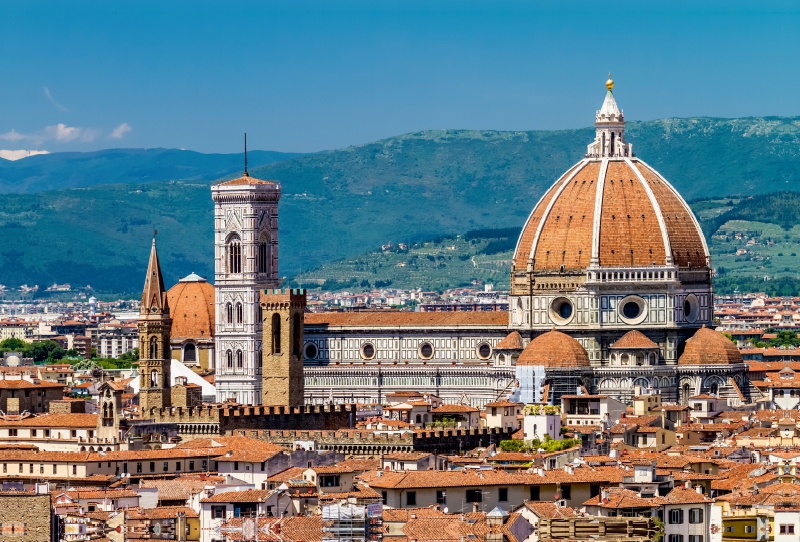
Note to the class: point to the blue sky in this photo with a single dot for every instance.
(306, 76)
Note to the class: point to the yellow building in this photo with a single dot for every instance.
(746, 524)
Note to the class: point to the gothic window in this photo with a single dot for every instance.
(189, 353)
(239, 314)
(297, 332)
(263, 254)
(153, 348)
(228, 313)
(276, 333)
(234, 255)
(229, 359)
(153, 378)
(239, 359)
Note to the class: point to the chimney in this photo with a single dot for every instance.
(687, 484)
(699, 489)
(474, 507)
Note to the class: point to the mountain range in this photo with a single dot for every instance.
(343, 203)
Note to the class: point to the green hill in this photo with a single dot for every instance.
(75, 169)
(341, 204)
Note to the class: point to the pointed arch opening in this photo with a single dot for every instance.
(239, 314)
(229, 359)
(263, 253)
(234, 250)
(153, 348)
(239, 359)
(297, 334)
(276, 333)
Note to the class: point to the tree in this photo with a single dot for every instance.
(131, 355)
(13, 344)
(71, 353)
(785, 338)
(45, 350)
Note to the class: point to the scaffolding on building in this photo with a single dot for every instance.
(353, 520)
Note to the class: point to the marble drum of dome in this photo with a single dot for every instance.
(611, 245)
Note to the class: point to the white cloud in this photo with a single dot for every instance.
(13, 135)
(121, 130)
(53, 101)
(58, 132)
(18, 154)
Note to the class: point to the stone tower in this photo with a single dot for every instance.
(154, 351)
(245, 263)
(283, 347)
(109, 412)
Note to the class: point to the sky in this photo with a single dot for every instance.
(307, 76)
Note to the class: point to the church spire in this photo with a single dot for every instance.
(154, 297)
(609, 122)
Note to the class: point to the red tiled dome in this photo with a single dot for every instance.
(191, 304)
(709, 347)
(642, 221)
(554, 349)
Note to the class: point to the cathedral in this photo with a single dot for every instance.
(611, 292)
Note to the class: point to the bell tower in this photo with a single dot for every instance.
(282, 380)
(154, 330)
(245, 263)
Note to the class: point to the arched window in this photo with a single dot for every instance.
(297, 334)
(228, 313)
(239, 313)
(263, 254)
(189, 353)
(229, 359)
(258, 359)
(153, 348)
(714, 388)
(239, 359)
(153, 378)
(612, 143)
(276, 333)
(234, 255)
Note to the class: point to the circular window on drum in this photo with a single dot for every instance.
(311, 351)
(632, 309)
(368, 351)
(561, 310)
(691, 308)
(484, 350)
(426, 350)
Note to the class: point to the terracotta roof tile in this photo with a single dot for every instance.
(512, 341)
(634, 339)
(709, 347)
(554, 349)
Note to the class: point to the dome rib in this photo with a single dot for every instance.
(546, 213)
(698, 232)
(656, 208)
(598, 213)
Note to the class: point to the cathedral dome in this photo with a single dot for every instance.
(554, 349)
(610, 210)
(191, 304)
(709, 347)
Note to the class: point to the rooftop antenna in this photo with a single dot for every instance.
(245, 155)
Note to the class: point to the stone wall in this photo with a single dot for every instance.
(223, 420)
(352, 442)
(27, 514)
(77, 406)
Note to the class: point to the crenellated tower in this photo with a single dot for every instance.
(282, 379)
(154, 326)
